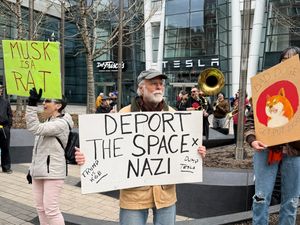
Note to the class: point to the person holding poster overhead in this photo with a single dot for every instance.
(266, 164)
(136, 202)
(5, 125)
(48, 168)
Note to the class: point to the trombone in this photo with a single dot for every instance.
(233, 112)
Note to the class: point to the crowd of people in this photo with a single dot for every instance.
(48, 169)
(222, 111)
(107, 104)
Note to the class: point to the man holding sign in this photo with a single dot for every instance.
(136, 202)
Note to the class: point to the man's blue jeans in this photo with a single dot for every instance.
(163, 216)
(264, 182)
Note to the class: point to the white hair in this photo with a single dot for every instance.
(140, 85)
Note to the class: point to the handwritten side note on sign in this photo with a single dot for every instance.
(31, 64)
(125, 150)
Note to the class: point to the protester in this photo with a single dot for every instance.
(99, 99)
(197, 101)
(5, 125)
(220, 109)
(181, 104)
(235, 112)
(113, 96)
(266, 164)
(207, 110)
(104, 106)
(48, 168)
(136, 202)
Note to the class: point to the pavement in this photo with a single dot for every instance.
(17, 206)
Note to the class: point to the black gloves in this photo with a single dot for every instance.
(34, 97)
(29, 178)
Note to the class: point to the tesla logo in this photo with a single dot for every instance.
(190, 63)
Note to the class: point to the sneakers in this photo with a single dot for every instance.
(9, 171)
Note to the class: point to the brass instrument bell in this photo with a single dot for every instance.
(211, 81)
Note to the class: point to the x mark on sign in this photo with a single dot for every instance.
(195, 142)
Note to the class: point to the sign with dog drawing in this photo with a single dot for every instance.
(125, 150)
(276, 103)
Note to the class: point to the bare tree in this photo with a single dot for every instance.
(12, 12)
(97, 22)
(15, 9)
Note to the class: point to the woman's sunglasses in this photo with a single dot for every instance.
(52, 101)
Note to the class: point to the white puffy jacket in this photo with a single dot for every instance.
(48, 159)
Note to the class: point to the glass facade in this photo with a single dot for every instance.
(283, 29)
(75, 58)
(191, 42)
(197, 35)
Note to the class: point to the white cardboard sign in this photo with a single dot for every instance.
(124, 150)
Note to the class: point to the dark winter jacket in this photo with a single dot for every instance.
(5, 113)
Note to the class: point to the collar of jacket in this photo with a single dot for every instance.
(137, 104)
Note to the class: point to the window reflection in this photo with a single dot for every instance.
(177, 21)
(191, 34)
(175, 6)
(196, 5)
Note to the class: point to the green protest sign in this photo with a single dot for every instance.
(31, 64)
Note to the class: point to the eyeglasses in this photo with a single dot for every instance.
(194, 91)
(52, 101)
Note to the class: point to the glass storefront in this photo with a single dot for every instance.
(191, 43)
(197, 35)
(283, 29)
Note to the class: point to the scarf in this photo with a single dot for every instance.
(140, 104)
(275, 155)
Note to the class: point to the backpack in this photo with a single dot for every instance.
(73, 141)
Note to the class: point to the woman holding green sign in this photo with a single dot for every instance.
(48, 168)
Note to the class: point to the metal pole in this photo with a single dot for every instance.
(239, 151)
(62, 46)
(120, 54)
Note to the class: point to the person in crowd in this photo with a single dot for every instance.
(5, 125)
(220, 109)
(266, 164)
(48, 168)
(179, 96)
(99, 99)
(113, 101)
(104, 106)
(197, 101)
(136, 202)
(235, 112)
(182, 103)
(207, 110)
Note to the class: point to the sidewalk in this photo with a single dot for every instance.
(16, 202)
(17, 207)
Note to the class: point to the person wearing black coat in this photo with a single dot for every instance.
(5, 125)
(197, 101)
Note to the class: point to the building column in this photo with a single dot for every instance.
(255, 42)
(148, 35)
(160, 53)
(236, 44)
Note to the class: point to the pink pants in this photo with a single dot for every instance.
(46, 194)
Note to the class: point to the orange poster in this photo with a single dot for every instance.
(275, 94)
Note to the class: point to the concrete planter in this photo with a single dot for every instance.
(222, 192)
